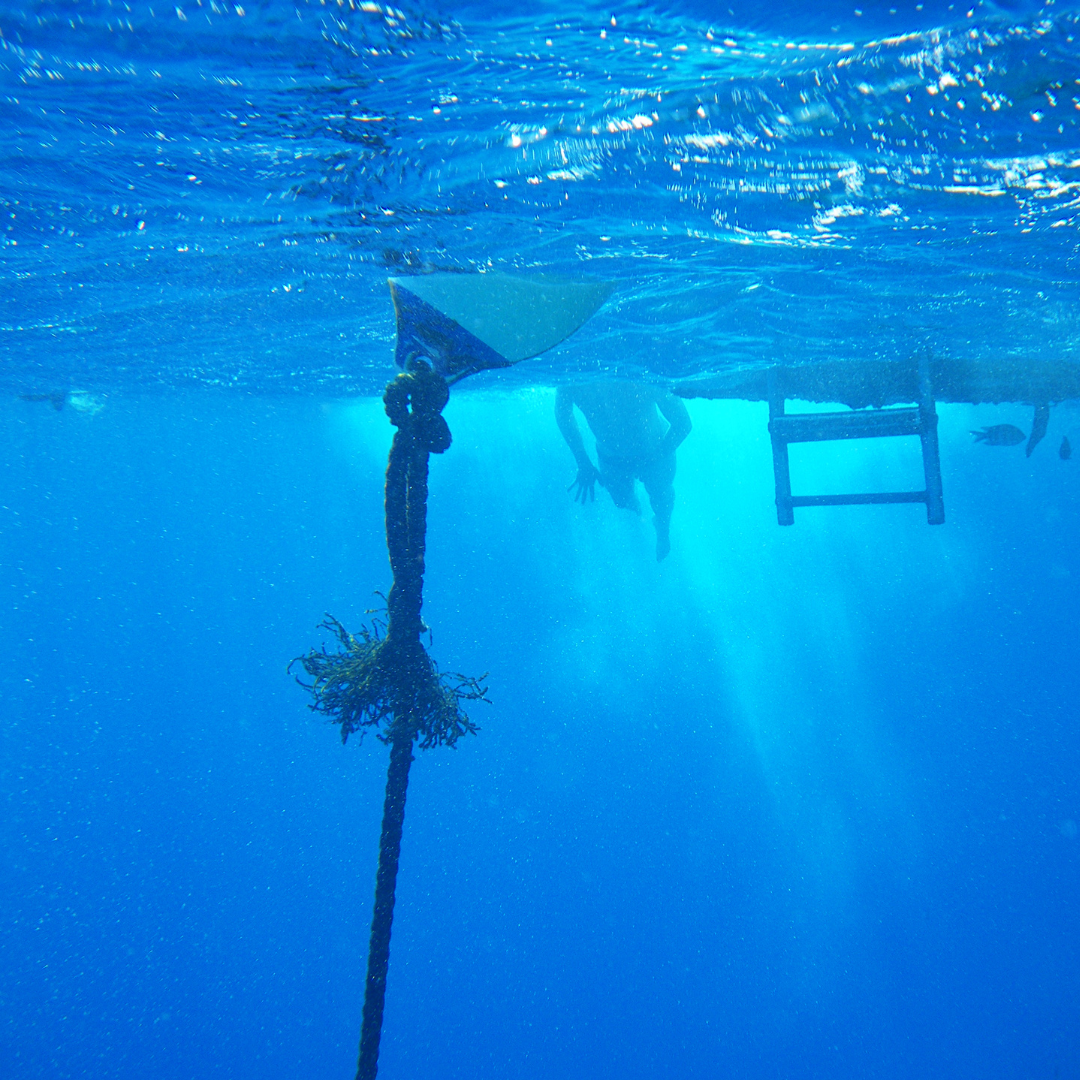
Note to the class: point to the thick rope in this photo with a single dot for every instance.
(421, 430)
(397, 783)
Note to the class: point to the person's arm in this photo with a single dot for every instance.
(674, 412)
(584, 487)
(564, 417)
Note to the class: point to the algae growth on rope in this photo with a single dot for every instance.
(375, 683)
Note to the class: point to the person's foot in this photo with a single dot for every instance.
(663, 546)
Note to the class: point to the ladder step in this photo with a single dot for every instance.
(823, 427)
(867, 499)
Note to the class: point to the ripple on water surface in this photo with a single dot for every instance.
(214, 194)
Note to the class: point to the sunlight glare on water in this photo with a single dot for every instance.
(215, 193)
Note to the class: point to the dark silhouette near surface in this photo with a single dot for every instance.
(57, 400)
(1039, 424)
(638, 428)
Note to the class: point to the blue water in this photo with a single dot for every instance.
(794, 803)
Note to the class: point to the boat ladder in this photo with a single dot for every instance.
(920, 419)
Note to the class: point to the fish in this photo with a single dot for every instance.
(1066, 450)
(1000, 435)
(1038, 427)
(57, 400)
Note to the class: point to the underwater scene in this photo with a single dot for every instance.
(639, 433)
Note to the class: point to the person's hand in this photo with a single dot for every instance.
(584, 487)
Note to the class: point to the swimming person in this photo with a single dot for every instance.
(631, 444)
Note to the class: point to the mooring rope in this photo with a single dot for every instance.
(420, 432)
(389, 683)
(382, 917)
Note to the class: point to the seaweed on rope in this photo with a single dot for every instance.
(374, 684)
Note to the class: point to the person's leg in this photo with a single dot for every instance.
(659, 481)
(619, 483)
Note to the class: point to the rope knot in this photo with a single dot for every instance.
(425, 390)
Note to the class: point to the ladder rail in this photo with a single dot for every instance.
(931, 454)
(785, 513)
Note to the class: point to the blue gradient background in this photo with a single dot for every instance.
(795, 803)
